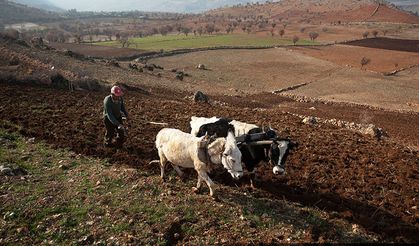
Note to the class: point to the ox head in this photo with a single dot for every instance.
(229, 154)
(278, 153)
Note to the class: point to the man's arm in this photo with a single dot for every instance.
(123, 110)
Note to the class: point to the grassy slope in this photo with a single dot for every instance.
(70, 199)
(172, 42)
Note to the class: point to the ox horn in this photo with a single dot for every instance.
(264, 142)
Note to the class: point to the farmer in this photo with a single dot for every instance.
(113, 107)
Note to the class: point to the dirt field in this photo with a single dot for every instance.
(96, 50)
(388, 44)
(368, 182)
(371, 183)
(254, 71)
(381, 60)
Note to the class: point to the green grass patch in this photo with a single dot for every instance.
(173, 42)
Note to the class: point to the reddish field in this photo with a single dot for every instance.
(368, 182)
(381, 60)
(96, 50)
(388, 44)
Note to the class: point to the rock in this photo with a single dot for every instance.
(112, 62)
(201, 66)
(310, 120)
(179, 76)
(200, 97)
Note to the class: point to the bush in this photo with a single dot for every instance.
(365, 61)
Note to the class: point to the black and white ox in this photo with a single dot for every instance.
(256, 144)
(185, 150)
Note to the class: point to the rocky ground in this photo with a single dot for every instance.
(365, 181)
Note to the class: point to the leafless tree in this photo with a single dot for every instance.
(186, 30)
(295, 39)
(209, 28)
(163, 30)
(364, 61)
(200, 30)
(366, 34)
(313, 35)
(281, 32)
(375, 33)
(385, 32)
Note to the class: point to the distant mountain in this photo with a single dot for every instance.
(40, 4)
(408, 5)
(196, 6)
(189, 6)
(11, 13)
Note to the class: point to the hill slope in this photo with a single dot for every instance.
(40, 4)
(323, 11)
(14, 13)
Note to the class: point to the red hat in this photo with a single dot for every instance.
(116, 90)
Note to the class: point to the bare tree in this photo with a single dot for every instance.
(295, 39)
(366, 34)
(364, 61)
(281, 32)
(313, 35)
(272, 32)
(302, 29)
(77, 38)
(375, 33)
(186, 30)
(163, 30)
(209, 28)
(385, 32)
(200, 30)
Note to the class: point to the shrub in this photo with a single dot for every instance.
(313, 35)
(365, 34)
(295, 39)
(365, 61)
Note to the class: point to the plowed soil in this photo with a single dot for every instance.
(370, 182)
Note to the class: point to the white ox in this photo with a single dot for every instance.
(252, 154)
(184, 150)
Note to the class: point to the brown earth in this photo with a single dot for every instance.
(388, 44)
(363, 180)
(381, 60)
(368, 182)
(96, 50)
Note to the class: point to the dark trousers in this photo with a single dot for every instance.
(111, 130)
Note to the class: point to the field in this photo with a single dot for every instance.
(352, 177)
(341, 185)
(172, 42)
(251, 71)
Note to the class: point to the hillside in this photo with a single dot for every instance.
(14, 13)
(318, 11)
(40, 4)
